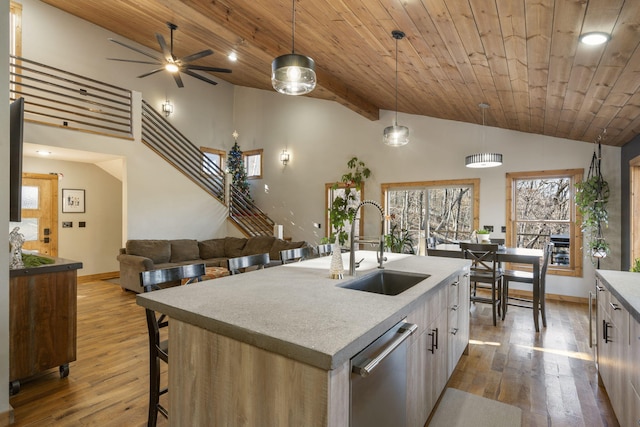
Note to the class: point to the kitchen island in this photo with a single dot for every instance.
(273, 346)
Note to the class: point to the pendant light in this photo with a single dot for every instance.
(483, 160)
(293, 74)
(395, 135)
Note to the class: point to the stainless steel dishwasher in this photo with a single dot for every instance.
(379, 380)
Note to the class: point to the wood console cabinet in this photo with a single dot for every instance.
(42, 320)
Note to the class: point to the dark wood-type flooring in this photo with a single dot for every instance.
(550, 376)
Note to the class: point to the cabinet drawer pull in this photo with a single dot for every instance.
(454, 308)
(434, 340)
(614, 306)
(600, 288)
(454, 331)
(454, 283)
(592, 296)
(605, 331)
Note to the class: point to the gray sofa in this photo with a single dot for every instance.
(144, 255)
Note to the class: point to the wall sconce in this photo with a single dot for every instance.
(284, 157)
(167, 107)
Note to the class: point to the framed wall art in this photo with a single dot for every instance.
(72, 201)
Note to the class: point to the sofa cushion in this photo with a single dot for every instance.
(233, 246)
(212, 248)
(281, 245)
(159, 251)
(258, 245)
(184, 250)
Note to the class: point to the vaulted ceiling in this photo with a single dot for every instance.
(522, 57)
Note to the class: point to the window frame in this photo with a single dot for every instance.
(474, 183)
(575, 252)
(251, 153)
(328, 201)
(207, 152)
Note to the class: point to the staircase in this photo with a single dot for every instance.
(56, 97)
(160, 136)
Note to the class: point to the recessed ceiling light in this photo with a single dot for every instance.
(43, 152)
(595, 38)
(233, 57)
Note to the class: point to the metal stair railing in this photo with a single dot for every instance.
(59, 98)
(244, 213)
(160, 136)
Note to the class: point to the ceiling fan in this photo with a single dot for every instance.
(170, 63)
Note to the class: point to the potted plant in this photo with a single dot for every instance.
(636, 266)
(399, 242)
(592, 196)
(483, 235)
(599, 248)
(343, 209)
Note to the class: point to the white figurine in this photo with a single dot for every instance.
(16, 240)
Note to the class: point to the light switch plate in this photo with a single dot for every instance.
(67, 224)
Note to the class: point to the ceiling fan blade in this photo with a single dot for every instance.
(157, 70)
(199, 77)
(176, 77)
(203, 68)
(168, 55)
(157, 58)
(196, 56)
(133, 60)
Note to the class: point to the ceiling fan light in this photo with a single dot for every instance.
(171, 67)
(595, 38)
(396, 136)
(483, 160)
(293, 74)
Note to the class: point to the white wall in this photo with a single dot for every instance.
(322, 136)
(4, 214)
(97, 244)
(158, 201)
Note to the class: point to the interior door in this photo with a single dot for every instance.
(40, 213)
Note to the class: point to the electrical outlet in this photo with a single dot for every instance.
(503, 228)
(67, 224)
(82, 224)
(317, 225)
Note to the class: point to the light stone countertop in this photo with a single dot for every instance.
(625, 285)
(297, 311)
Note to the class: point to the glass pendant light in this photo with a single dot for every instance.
(483, 160)
(293, 74)
(395, 135)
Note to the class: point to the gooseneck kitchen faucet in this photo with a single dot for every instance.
(354, 240)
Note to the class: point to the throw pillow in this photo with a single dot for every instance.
(212, 248)
(258, 245)
(158, 250)
(233, 246)
(184, 250)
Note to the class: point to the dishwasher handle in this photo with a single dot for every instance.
(403, 333)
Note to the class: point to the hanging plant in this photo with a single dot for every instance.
(343, 209)
(592, 196)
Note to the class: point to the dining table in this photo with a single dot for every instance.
(505, 254)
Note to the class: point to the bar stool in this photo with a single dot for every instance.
(239, 264)
(154, 280)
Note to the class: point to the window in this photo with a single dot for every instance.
(541, 208)
(253, 163)
(212, 157)
(446, 210)
(330, 196)
(15, 26)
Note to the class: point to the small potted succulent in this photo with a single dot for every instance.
(483, 235)
(599, 248)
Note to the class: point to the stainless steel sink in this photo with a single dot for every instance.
(385, 282)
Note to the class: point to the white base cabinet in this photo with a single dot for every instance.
(618, 354)
(436, 347)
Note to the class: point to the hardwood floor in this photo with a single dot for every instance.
(551, 376)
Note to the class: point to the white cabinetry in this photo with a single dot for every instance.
(618, 354)
(433, 348)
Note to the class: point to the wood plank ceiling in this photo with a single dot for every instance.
(522, 57)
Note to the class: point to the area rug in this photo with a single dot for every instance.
(462, 409)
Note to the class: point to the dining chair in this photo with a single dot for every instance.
(324, 250)
(484, 269)
(527, 277)
(297, 254)
(150, 281)
(240, 264)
